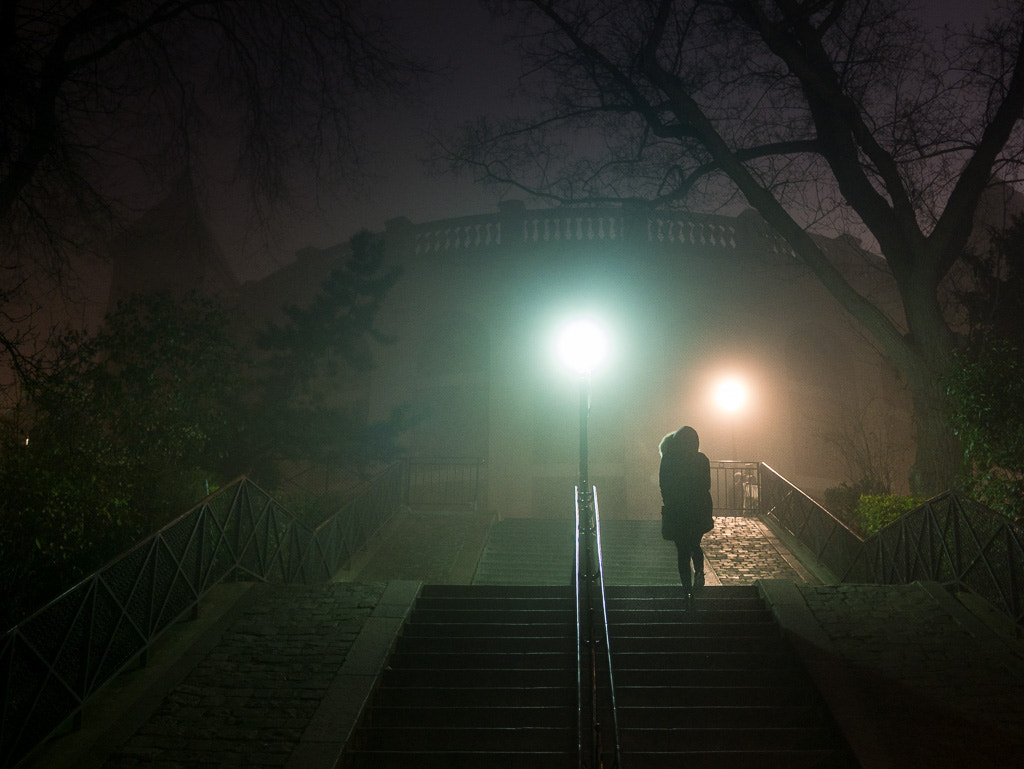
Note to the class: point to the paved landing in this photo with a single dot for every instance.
(461, 548)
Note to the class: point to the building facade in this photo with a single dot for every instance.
(687, 301)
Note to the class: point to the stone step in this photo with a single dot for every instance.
(656, 592)
(455, 602)
(787, 695)
(540, 552)
(710, 616)
(737, 759)
(681, 739)
(721, 716)
(486, 592)
(384, 759)
(709, 659)
(471, 678)
(709, 623)
(527, 552)
(720, 676)
(678, 602)
(510, 644)
(698, 639)
(523, 629)
(479, 697)
(487, 715)
(497, 613)
(492, 739)
(478, 659)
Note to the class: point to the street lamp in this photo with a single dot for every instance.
(731, 396)
(583, 347)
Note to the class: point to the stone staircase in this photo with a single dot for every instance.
(485, 676)
(536, 551)
(527, 551)
(716, 686)
(479, 677)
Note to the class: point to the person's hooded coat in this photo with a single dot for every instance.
(685, 480)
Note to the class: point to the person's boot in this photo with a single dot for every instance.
(687, 588)
(698, 579)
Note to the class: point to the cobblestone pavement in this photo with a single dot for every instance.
(940, 689)
(741, 551)
(250, 700)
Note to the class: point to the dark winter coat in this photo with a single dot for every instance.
(685, 479)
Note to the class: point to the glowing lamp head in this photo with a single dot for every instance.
(731, 395)
(583, 346)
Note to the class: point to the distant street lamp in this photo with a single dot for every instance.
(583, 347)
(731, 396)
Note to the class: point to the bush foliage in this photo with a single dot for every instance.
(131, 426)
(876, 511)
(985, 395)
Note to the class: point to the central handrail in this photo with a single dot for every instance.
(582, 749)
(592, 630)
(607, 636)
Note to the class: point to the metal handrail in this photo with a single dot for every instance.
(734, 487)
(616, 750)
(55, 660)
(948, 539)
(830, 540)
(588, 575)
(582, 744)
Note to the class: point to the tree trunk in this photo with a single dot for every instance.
(938, 457)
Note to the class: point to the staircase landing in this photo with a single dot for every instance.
(465, 548)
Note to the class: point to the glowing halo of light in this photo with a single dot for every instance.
(731, 394)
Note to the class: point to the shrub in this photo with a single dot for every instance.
(842, 500)
(985, 391)
(876, 511)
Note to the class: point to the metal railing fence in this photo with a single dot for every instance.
(52, 662)
(444, 484)
(948, 539)
(830, 540)
(735, 487)
(955, 541)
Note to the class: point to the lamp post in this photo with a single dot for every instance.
(583, 346)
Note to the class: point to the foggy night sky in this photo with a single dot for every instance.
(478, 69)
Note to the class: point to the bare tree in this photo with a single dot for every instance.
(823, 115)
(103, 99)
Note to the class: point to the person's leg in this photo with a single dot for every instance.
(697, 554)
(683, 561)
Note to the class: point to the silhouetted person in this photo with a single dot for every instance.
(685, 479)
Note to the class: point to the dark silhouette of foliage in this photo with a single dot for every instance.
(103, 102)
(994, 295)
(313, 368)
(122, 432)
(986, 390)
(134, 424)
